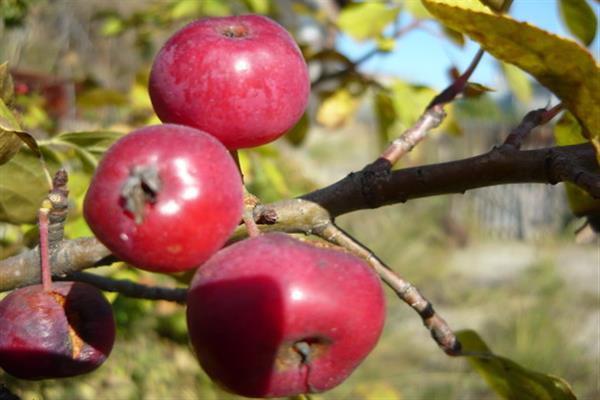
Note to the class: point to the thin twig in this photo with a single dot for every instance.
(129, 288)
(531, 120)
(439, 329)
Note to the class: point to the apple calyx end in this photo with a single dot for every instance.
(141, 187)
(235, 31)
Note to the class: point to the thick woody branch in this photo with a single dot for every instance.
(372, 188)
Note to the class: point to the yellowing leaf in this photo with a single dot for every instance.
(497, 5)
(580, 19)
(518, 82)
(336, 109)
(509, 379)
(366, 20)
(23, 186)
(560, 64)
(10, 143)
(6, 83)
(568, 132)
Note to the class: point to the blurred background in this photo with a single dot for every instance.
(511, 262)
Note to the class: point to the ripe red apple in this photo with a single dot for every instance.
(67, 331)
(165, 198)
(242, 79)
(271, 316)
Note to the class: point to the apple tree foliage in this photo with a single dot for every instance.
(565, 66)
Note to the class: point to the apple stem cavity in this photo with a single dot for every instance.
(44, 256)
(141, 187)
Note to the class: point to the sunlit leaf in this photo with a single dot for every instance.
(417, 9)
(23, 186)
(518, 82)
(560, 64)
(568, 132)
(366, 20)
(580, 19)
(509, 379)
(336, 109)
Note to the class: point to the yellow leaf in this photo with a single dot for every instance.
(366, 20)
(560, 64)
(509, 379)
(336, 109)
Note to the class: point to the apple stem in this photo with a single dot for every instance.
(251, 226)
(44, 255)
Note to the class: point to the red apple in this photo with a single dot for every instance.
(242, 79)
(165, 198)
(272, 316)
(64, 332)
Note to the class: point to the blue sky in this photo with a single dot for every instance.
(423, 58)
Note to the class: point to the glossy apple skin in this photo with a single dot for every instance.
(197, 207)
(251, 302)
(242, 79)
(67, 332)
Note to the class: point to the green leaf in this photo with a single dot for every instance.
(185, 8)
(10, 143)
(498, 5)
(568, 132)
(89, 146)
(580, 19)
(6, 83)
(258, 6)
(509, 379)
(560, 64)
(113, 25)
(366, 20)
(385, 114)
(23, 186)
(298, 132)
(518, 82)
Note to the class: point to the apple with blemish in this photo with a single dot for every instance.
(271, 316)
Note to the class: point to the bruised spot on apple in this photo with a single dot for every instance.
(271, 316)
(65, 332)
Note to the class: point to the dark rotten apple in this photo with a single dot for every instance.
(271, 316)
(64, 332)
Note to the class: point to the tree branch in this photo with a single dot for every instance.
(368, 188)
(502, 165)
(129, 288)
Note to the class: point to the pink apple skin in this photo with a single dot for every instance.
(253, 301)
(67, 332)
(242, 79)
(196, 208)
